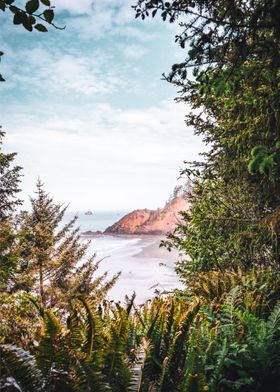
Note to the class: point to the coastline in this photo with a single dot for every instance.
(145, 267)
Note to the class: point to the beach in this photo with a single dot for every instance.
(144, 266)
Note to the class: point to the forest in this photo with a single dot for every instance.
(221, 332)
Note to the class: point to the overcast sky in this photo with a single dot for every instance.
(87, 111)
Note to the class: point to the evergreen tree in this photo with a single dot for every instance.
(54, 259)
(9, 182)
(233, 56)
(9, 187)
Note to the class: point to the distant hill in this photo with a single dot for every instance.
(160, 221)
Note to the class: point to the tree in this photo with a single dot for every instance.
(54, 261)
(221, 33)
(233, 50)
(9, 188)
(9, 183)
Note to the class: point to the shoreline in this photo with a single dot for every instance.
(149, 247)
(144, 265)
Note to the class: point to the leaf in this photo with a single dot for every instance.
(31, 19)
(40, 27)
(164, 15)
(2, 6)
(32, 6)
(46, 2)
(1, 78)
(13, 9)
(277, 145)
(258, 150)
(19, 18)
(22, 367)
(27, 25)
(48, 15)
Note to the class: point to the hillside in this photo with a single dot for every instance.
(160, 221)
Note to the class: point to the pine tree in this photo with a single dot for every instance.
(54, 259)
(9, 183)
(9, 187)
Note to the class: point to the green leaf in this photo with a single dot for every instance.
(19, 18)
(13, 9)
(2, 6)
(258, 150)
(32, 6)
(277, 145)
(46, 2)
(254, 164)
(40, 27)
(48, 15)
(31, 19)
(27, 25)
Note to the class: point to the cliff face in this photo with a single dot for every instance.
(145, 221)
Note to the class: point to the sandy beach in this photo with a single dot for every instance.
(144, 266)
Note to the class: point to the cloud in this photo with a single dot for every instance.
(133, 52)
(104, 156)
(63, 73)
(87, 112)
(104, 18)
(73, 6)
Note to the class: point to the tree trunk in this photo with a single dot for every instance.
(41, 282)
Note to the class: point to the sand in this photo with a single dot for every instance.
(145, 267)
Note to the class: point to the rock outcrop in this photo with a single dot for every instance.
(91, 233)
(160, 221)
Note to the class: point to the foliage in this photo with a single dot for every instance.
(21, 365)
(9, 182)
(9, 188)
(220, 32)
(221, 334)
(234, 216)
(83, 353)
(20, 323)
(262, 162)
(54, 260)
(234, 98)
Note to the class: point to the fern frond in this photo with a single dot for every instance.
(21, 366)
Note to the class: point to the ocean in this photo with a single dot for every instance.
(144, 266)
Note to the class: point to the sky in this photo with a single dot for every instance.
(87, 111)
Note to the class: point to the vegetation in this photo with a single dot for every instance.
(54, 261)
(222, 332)
(233, 90)
(9, 187)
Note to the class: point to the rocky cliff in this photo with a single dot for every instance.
(160, 221)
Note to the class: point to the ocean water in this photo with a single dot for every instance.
(143, 265)
(99, 220)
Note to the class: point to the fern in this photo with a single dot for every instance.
(19, 366)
